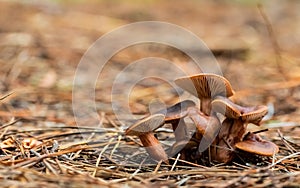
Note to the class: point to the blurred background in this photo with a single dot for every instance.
(42, 42)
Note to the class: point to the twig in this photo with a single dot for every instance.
(3, 132)
(210, 171)
(291, 148)
(113, 124)
(24, 162)
(63, 171)
(72, 169)
(116, 146)
(260, 131)
(48, 165)
(157, 167)
(137, 170)
(173, 166)
(99, 126)
(99, 158)
(280, 160)
(5, 96)
(182, 181)
(190, 163)
(243, 166)
(11, 122)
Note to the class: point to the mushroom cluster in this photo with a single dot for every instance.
(219, 139)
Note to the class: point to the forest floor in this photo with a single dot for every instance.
(42, 43)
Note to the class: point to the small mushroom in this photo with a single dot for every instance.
(206, 87)
(207, 127)
(254, 144)
(179, 110)
(144, 130)
(174, 115)
(226, 107)
(200, 121)
(234, 126)
(253, 114)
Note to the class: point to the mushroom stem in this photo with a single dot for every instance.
(153, 147)
(232, 132)
(206, 87)
(211, 134)
(179, 128)
(200, 121)
(207, 128)
(234, 126)
(205, 106)
(144, 130)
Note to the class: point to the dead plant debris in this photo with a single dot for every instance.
(41, 44)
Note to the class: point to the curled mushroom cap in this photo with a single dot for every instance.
(146, 125)
(254, 114)
(205, 85)
(254, 144)
(226, 107)
(231, 110)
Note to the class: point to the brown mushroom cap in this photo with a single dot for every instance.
(226, 107)
(264, 147)
(178, 111)
(205, 85)
(254, 144)
(146, 125)
(255, 114)
(207, 127)
(199, 119)
(173, 115)
(231, 110)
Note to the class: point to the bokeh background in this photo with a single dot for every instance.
(43, 42)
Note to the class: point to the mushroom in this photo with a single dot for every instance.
(174, 115)
(207, 127)
(252, 143)
(206, 87)
(234, 126)
(144, 130)
(178, 110)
